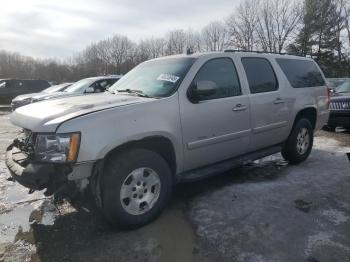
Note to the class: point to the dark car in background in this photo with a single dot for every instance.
(339, 107)
(10, 88)
(26, 99)
(82, 87)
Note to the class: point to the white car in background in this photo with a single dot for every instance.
(26, 99)
(85, 86)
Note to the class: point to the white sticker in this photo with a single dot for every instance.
(168, 78)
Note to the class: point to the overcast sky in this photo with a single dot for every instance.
(58, 28)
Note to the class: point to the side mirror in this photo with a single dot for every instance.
(201, 90)
(89, 90)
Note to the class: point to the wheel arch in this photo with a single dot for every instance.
(309, 113)
(156, 143)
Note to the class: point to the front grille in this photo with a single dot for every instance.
(337, 105)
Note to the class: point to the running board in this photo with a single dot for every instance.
(226, 165)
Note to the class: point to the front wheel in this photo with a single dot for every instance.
(299, 144)
(136, 185)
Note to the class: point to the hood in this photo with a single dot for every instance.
(47, 96)
(27, 96)
(42, 96)
(45, 116)
(341, 94)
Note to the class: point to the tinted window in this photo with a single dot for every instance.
(223, 73)
(43, 84)
(39, 84)
(260, 74)
(19, 83)
(80, 86)
(301, 73)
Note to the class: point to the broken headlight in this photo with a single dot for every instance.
(57, 148)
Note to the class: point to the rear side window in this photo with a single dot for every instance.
(39, 83)
(301, 73)
(260, 74)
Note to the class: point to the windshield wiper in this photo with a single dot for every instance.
(132, 91)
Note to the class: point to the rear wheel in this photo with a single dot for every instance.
(136, 185)
(299, 144)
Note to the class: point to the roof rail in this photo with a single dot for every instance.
(254, 51)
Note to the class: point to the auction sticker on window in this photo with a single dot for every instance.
(168, 78)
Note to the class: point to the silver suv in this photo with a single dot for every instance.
(168, 120)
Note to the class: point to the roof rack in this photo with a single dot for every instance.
(253, 51)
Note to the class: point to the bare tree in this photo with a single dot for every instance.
(215, 36)
(151, 48)
(119, 52)
(242, 25)
(277, 20)
(176, 40)
(193, 41)
(347, 19)
(341, 14)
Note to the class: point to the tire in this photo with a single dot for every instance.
(296, 148)
(141, 170)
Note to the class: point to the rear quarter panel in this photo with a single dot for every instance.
(309, 97)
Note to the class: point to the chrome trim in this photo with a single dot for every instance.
(217, 139)
(269, 127)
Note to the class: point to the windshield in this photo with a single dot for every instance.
(80, 86)
(56, 88)
(159, 78)
(335, 82)
(343, 88)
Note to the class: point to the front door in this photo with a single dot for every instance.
(217, 127)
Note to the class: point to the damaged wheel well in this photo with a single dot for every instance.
(158, 144)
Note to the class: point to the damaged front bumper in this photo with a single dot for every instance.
(34, 175)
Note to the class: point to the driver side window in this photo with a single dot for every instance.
(223, 73)
(100, 86)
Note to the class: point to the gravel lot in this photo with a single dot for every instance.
(264, 211)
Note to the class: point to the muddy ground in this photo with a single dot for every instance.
(264, 211)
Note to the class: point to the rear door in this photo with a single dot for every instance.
(269, 113)
(217, 127)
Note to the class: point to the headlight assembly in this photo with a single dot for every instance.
(57, 148)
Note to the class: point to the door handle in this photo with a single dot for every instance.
(239, 107)
(278, 101)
